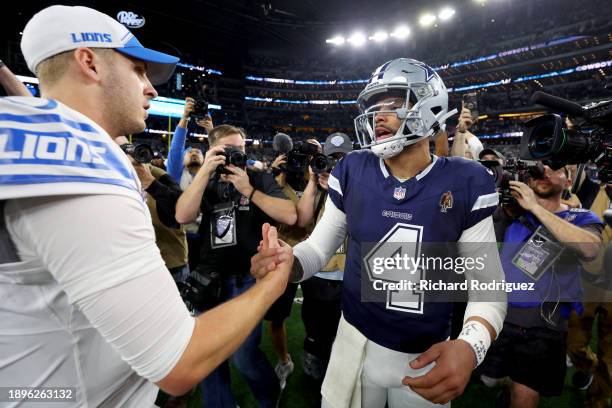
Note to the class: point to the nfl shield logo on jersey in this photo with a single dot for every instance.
(399, 193)
(446, 201)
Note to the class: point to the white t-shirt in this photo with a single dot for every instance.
(87, 301)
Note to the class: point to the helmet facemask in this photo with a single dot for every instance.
(406, 104)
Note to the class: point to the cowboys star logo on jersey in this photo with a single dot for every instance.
(446, 201)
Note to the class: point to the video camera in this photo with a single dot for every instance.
(514, 170)
(547, 137)
(142, 153)
(302, 155)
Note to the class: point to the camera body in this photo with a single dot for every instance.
(299, 158)
(234, 156)
(200, 108)
(202, 290)
(142, 153)
(514, 170)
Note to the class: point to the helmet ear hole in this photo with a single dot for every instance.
(436, 109)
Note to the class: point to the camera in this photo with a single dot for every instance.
(320, 164)
(200, 108)
(470, 101)
(202, 290)
(234, 156)
(142, 153)
(547, 137)
(514, 170)
(299, 158)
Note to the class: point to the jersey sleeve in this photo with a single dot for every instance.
(105, 259)
(338, 181)
(482, 197)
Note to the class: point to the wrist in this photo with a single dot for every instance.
(477, 336)
(536, 209)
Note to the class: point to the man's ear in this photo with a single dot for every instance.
(87, 63)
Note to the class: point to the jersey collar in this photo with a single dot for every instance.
(419, 176)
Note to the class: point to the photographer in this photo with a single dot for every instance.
(183, 164)
(162, 193)
(281, 309)
(87, 301)
(321, 308)
(234, 205)
(491, 155)
(178, 162)
(544, 245)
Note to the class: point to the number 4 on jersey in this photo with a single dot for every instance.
(392, 260)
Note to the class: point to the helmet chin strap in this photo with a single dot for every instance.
(392, 148)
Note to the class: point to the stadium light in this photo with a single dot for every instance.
(427, 19)
(379, 36)
(446, 13)
(401, 32)
(337, 40)
(357, 39)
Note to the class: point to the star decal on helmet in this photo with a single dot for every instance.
(429, 72)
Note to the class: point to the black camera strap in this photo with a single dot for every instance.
(579, 172)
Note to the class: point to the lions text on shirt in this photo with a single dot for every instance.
(49, 151)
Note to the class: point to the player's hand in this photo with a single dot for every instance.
(277, 276)
(454, 362)
(213, 159)
(268, 258)
(524, 195)
(239, 178)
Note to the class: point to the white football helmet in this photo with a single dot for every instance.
(414, 92)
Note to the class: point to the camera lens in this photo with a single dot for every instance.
(142, 153)
(238, 159)
(542, 139)
(319, 163)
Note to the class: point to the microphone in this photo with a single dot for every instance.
(556, 103)
(282, 143)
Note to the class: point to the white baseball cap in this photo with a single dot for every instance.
(56, 29)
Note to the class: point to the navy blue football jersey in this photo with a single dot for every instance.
(436, 206)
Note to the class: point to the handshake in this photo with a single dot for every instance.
(273, 262)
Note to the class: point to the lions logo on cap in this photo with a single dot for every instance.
(446, 201)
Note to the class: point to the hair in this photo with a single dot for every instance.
(221, 131)
(52, 69)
